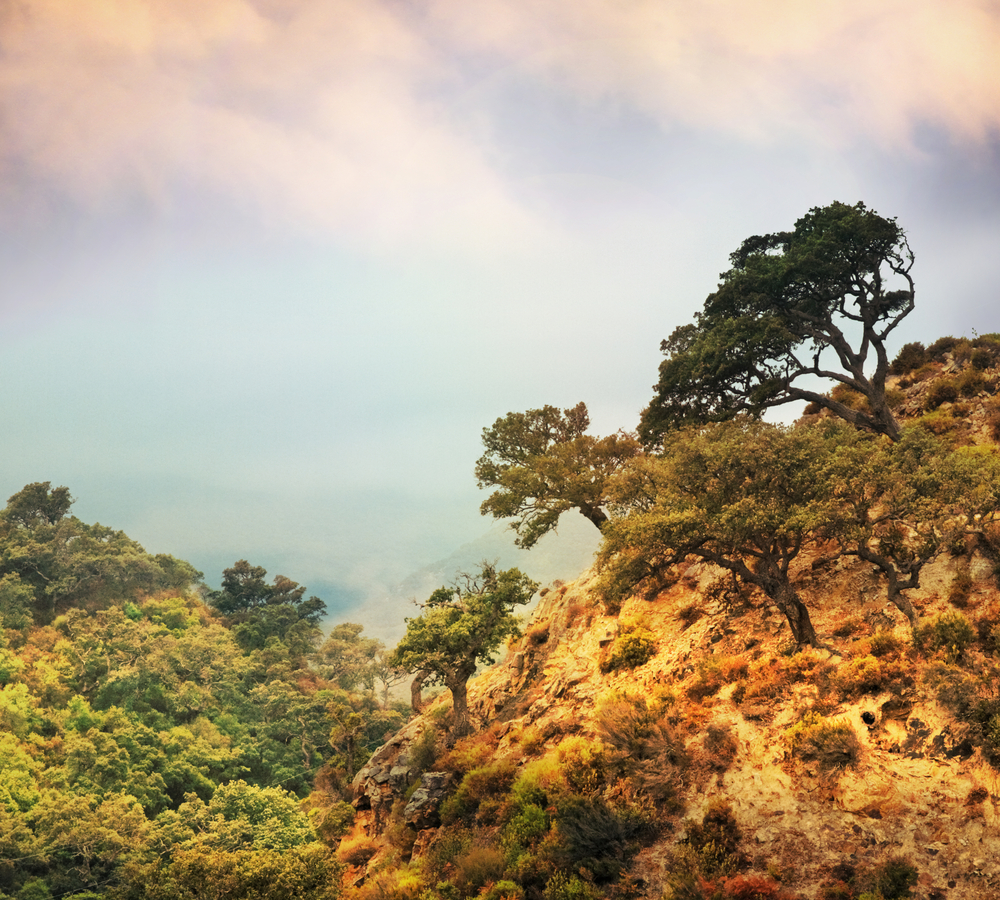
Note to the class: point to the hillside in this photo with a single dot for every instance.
(683, 748)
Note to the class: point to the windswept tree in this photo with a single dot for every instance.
(542, 464)
(816, 302)
(461, 627)
(743, 495)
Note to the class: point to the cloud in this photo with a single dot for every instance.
(354, 115)
(311, 114)
(762, 71)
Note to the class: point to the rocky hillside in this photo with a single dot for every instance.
(683, 749)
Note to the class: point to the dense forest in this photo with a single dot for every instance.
(162, 740)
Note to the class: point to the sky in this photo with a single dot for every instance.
(269, 267)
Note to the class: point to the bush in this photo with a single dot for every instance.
(891, 880)
(981, 358)
(832, 745)
(949, 632)
(629, 650)
(719, 745)
(970, 382)
(715, 841)
(944, 390)
(910, 357)
(476, 868)
(961, 587)
(569, 887)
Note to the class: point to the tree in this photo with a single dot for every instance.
(38, 503)
(743, 495)
(258, 611)
(543, 464)
(898, 505)
(833, 288)
(460, 628)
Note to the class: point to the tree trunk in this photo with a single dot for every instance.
(416, 690)
(788, 601)
(459, 688)
(596, 515)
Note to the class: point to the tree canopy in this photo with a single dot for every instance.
(743, 495)
(543, 464)
(817, 301)
(461, 627)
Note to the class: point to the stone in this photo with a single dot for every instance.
(422, 810)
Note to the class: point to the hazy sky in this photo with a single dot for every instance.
(270, 266)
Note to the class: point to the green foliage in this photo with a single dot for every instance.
(949, 632)
(944, 390)
(788, 310)
(631, 648)
(831, 744)
(461, 627)
(259, 612)
(911, 356)
(543, 464)
(743, 495)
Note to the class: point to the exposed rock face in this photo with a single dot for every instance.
(422, 810)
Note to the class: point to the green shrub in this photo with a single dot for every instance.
(910, 357)
(981, 358)
(944, 390)
(524, 830)
(832, 745)
(970, 382)
(629, 650)
(476, 868)
(481, 784)
(503, 890)
(715, 841)
(569, 887)
(961, 587)
(592, 836)
(891, 880)
(949, 632)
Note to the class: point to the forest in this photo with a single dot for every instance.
(163, 740)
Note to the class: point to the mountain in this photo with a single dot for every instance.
(685, 748)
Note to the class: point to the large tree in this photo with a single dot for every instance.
(542, 464)
(897, 506)
(460, 628)
(258, 611)
(817, 301)
(743, 495)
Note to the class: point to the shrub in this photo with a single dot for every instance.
(910, 357)
(970, 382)
(720, 747)
(481, 784)
(832, 745)
(949, 632)
(592, 836)
(629, 650)
(476, 868)
(503, 890)
(891, 880)
(357, 850)
(981, 358)
(944, 390)
(961, 587)
(714, 842)
(851, 398)
(943, 345)
(569, 887)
